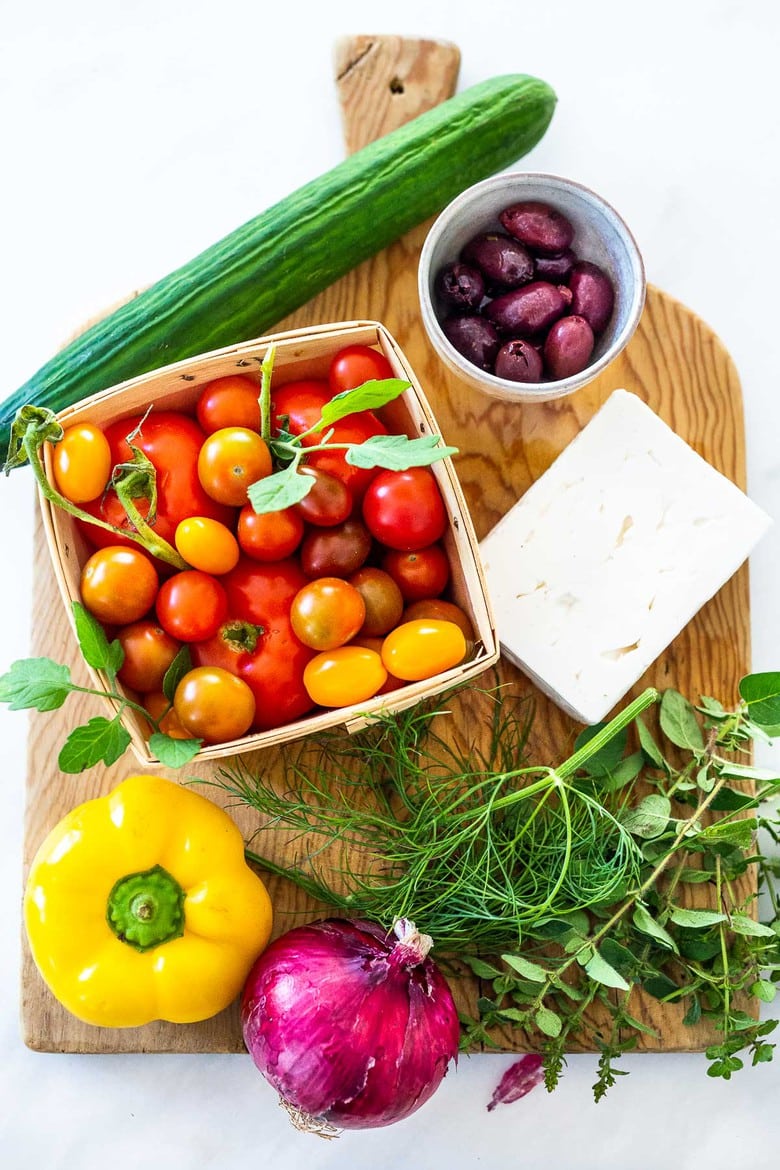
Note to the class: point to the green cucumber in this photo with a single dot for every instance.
(242, 286)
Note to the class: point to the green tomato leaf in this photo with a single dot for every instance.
(548, 1022)
(761, 692)
(280, 490)
(180, 666)
(370, 396)
(98, 652)
(696, 919)
(602, 972)
(526, 968)
(99, 741)
(679, 723)
(398, 452)
(35, 682)
(745, 925)
(649, 818)
(173, 753)
(646, 924)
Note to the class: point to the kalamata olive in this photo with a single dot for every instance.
(501, 259)
(519, 361)
(460, 286)
(555, 268)
(474, 338)
(528, 310)
(568, 347)
(592, 294)
(539, 226)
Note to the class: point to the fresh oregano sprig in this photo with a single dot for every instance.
(42, 684)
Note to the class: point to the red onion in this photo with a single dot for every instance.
(351, 1026)
(522, 1076)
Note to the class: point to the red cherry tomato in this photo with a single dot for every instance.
(258, 642)
(269, 536)
(301, 404)
(329, 501)
(419, 574)
(404, 509)
(355, 364)
(148, 651)
(232, 401)
(191, 605)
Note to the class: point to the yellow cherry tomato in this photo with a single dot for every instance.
(421, 648)
(341, 677)
(207, 545)
(82, 463)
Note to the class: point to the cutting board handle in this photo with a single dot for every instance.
(385, 81)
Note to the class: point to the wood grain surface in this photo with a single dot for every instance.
(674, 363)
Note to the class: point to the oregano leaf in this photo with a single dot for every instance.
(696, 919)
(549, 1022)
(600, 970)
(761, 692)
(745, 925)
(679, 723)
(526, 968)
(646, 924)
(650, 817)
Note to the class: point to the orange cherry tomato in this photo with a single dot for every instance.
(441, 610)
(207, 545)
(82, 463)
(148, 651)
(230, 461)
(422, 648)
(119, 585)
(269, 536)
(326, 613)
(346, 675)
(214, 705)
(232, 401)
(156, 703)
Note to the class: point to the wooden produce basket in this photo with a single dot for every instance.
(300, 353)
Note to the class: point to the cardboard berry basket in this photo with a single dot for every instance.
(302, 353)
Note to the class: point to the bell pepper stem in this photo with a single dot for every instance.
(146, 909)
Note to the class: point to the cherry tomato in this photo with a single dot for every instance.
(422, 648)
(347, 675)
(172, 442)
(156, 703)
(191, 605)
(232, 401)
(301, 404)
(230, 461)
(258, 643)
(269, 536)
(82, 463)
(119, 585)
(335, 552)
(148, 651)
(404, 509)
(440, 610)
(207, 545)
(326, 613)
(419, 574)
(355, 364)
(329, 502)
(382, 598)
(214, 705)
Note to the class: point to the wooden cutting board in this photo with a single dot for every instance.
(674, 363)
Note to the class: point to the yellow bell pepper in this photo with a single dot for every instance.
(140, 906)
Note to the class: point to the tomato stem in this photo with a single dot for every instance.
(266, 370)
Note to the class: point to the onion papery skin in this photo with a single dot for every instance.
(348, 1025)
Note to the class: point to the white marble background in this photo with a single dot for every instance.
(133, 135)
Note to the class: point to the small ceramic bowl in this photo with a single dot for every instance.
(600, 236)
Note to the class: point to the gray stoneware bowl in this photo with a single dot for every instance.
(600, 236)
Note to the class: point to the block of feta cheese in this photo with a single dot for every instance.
(610, 553)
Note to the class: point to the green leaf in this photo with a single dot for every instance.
(737, 833)
(626, 771)
(761, 692)
(764, 990)
(646, 924)
(607, 758)
(180, 666)
(280, 490)
(173, 753)
(35, 682)
(601, 971)
(548, 1022)
(745, 925)
(98, 652)
(696, 919)
(397, 452)
(621, 958)
(731, 800)
(480, 968)
(713, 708)
(650, 747)
(649, 818)
(661, 987)
(693, 1014)
(692, 877)
(747, 772)
(370, 396)
(679, 723)
(526, 968)
(99, 741)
